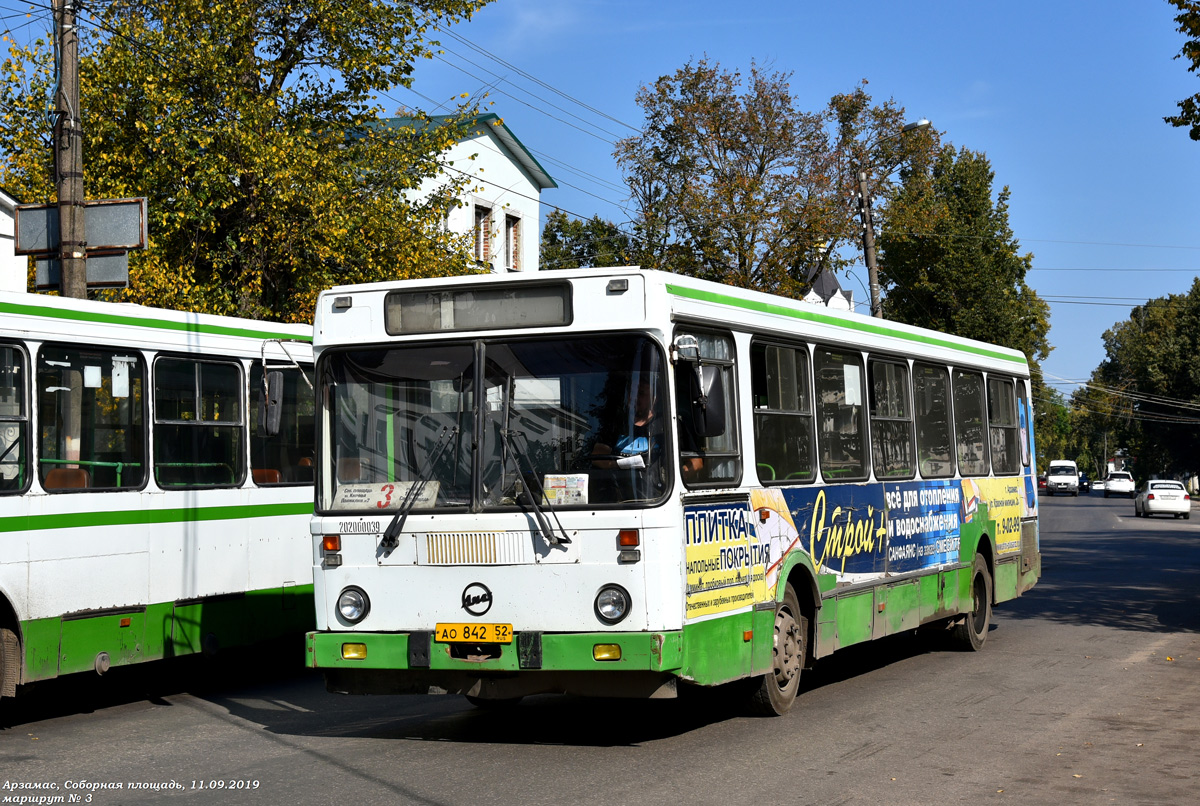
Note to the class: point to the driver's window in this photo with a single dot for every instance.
(713, 460)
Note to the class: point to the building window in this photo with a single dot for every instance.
(512, 243)
(483, 234)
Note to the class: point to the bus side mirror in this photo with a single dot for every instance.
(707, 401)
(270, 405)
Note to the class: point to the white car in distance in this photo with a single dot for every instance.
(1162, 497)
(1119, 482)
(1063, 477)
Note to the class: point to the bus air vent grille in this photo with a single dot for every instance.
(474, 548)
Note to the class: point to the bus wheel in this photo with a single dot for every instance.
(777, 691)
(972, 632)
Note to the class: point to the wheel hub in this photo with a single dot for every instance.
(787, 648)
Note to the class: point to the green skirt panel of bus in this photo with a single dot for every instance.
(90, 640)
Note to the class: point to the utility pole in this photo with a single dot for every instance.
(864, 210)
(68, 156)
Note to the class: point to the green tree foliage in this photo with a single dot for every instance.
(249, 126)
(1146, 393)
(568, 243)
(732, 181)
(949, 260)
(1188, 24)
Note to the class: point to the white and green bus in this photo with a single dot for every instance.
(613, 481)
(156, 484)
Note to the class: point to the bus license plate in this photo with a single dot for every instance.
(473, 633)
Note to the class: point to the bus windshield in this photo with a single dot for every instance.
(572, 422)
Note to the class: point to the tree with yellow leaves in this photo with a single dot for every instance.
(250, 126)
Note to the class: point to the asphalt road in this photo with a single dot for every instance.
(1088, 692)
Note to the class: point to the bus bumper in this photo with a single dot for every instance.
(591, 664)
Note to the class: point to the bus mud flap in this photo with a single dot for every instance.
(529, 649)
(419, 649)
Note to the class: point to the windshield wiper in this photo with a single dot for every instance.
(391, 535)
(543, 522)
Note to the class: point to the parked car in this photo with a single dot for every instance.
(1085, 484)
(1063, 477)
(1119, 482)
(1162, 497)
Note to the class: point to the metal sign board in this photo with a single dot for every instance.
(103, 271)
(108, 225)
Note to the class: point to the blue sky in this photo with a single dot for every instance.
(1066, 99)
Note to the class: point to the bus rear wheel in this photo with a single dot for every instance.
(777, 689)
(972, 632)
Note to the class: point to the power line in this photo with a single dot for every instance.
(537, 80)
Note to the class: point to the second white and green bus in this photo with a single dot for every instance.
(613, 482)
(156, 485)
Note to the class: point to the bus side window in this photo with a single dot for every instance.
(14, 419)
(935, 437)
(841, 421)
(1002, 426)
(199, 426)
(1025, 417)
(969, 423)
(783, 422)
(286, 456)
(91, 419)
(891, 421)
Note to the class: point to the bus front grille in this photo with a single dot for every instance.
(474, 548)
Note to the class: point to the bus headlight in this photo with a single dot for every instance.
(612, 604)
(353, 605)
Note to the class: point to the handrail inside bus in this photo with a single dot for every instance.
(92, 463)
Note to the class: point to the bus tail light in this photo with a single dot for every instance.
(331, 543)
(628, 539)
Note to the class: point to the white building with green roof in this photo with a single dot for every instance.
(501, 202)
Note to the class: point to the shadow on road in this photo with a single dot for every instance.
(1103, 566)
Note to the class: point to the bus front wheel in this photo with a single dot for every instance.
(776, 692)
(972, 632)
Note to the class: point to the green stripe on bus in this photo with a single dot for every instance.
(141, 517)
(135, 321)
(867, 326)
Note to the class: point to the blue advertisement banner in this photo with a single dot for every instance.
(842, 527)
(923, 524)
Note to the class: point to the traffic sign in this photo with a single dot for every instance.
(108, 224)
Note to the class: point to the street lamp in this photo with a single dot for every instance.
(864, 210)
